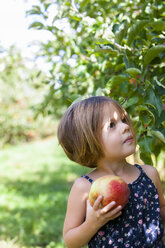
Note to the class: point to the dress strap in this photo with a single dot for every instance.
(139, 167)
(88, 178)
(139, 177)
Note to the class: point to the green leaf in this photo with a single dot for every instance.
(115, 81)
(151, 105)
(126, 61)
(37, 25)
(100, 41)
(154, 99)
(106, 50)
(118, 79)
(119, 67)
(159, 83)
(163, 124)
(152, 53)
(146, 158)
(158, 25)
(133, 71)
(131, 102)
(75, 98)
(76, 18)
(135, 30)
(145, 143)
(145, 150)
(145, 115)
(119, 35)
(36, 10)
(158, 134)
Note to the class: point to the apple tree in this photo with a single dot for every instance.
(114, 48)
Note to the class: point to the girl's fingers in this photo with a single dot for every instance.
(108, 207)
(116, 215)
(110, 211)
(115, 212)
(97, 203)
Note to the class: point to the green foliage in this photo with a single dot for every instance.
(21, 89)
(114, 48)
(153, 53)
(135, 30)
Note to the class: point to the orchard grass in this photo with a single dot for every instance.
(35, 181)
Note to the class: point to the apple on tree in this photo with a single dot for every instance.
(112, 188)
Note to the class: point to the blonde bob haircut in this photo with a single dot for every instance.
(79, 130)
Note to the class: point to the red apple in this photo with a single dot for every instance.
(145, 125)
(112, 188)
(132, 81)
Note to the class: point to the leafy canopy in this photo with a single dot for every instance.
(113, 48)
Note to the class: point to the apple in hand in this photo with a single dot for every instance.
(112, 188)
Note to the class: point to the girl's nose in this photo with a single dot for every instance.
(125, 127)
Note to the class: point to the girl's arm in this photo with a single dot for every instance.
(82, 221)
(161, 197)
(154, 175)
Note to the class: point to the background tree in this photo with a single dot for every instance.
(21, 90)
(113, 48)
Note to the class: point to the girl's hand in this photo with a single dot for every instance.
(100, 216)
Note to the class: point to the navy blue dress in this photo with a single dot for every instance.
(139, 225)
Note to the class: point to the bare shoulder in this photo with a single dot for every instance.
(152, 173)
(81, 184)
(149, 168)
(80, 188)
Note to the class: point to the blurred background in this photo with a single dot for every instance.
(53, 53)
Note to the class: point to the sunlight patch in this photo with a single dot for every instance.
(115, 115)
(151, 233)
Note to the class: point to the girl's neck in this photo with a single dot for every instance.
(113, 167)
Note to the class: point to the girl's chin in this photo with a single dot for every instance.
(131, 152)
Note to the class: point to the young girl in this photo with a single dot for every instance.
(98, 133)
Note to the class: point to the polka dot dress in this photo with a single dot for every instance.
(139, 225)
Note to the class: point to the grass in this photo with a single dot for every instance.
(35, 182)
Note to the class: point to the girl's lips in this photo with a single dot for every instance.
(129, 140)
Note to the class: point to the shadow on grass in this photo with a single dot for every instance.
(36, 208)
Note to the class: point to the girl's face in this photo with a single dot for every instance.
(117, 138)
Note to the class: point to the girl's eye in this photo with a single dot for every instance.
(112, 124)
